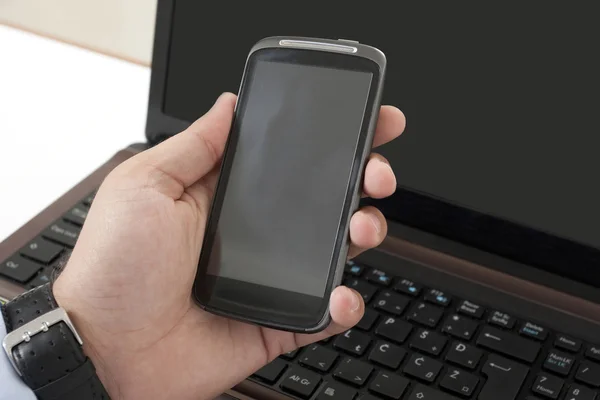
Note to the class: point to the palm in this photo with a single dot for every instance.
(129, 279)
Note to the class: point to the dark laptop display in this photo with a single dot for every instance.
(529, 192)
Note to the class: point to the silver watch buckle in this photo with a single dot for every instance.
(32, 328)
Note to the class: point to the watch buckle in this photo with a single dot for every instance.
(34, 327)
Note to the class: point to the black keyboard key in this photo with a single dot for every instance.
(560, 363)
(89, 199)
(353, 371)
(354, 269)
(428, 342)
(388, 385)
(367, 396)
(394, 329)
(352, 341)
(471, 309)
(408, 287)
(42, 251)
(318, 357)
(387, 354)
(504, 379)
(460, 382)
(76, 215)
(589, 373)
(501, 319)
(534, 331)
(19, 269)
(391, 302)
(578, 392)
(300, 382)
(62, 233)
(547, 385)
(366, 290)
(593, 352)
(421, 392)
(272, 371)
(368, 320)
(508, 343)
(437, 297)
(379, 277)
(336, 391)
(40, 279)
(567, 343)
(290, 355)
(459, 326)
(422, 367)
(464, 355)
(426, 314)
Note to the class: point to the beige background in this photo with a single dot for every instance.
(123, 28)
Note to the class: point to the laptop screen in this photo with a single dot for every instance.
(508, 165)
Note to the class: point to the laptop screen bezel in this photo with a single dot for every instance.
(505, 238)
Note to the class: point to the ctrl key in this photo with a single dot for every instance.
(19, 269)
(300, 382)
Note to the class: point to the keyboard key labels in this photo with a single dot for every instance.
(391, 302)
(426, 314)
(336, 391)
(501, 319)
(318, 357)
(471, 309)
(504, 379)
(353, 342)
(428, 342)
(459, 326)
(394, 329)
(389, 385)
(437, 297)
(387, 354)
(548, 385)
(559, 362)
(464, 355)
(408, 287)
(459, 382)
(423, 367)
(300, 382)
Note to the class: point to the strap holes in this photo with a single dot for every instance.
(51, 343)
(18, 311)
(32, 353)
(38, 312)
(34, 301)
(21, 321)
(41, 368)
(59, 357)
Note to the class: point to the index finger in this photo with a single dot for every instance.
(390, 125)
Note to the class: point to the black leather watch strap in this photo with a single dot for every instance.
(52, 362)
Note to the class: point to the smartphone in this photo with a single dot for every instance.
(277, 239)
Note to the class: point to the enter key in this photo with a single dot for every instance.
(504, 379)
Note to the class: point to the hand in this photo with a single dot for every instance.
(127, 285)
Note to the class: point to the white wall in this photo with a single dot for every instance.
(123, 28)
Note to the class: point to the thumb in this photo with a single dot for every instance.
(193, 153)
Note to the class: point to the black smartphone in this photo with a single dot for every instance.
(277, 236)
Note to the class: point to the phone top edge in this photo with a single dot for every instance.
(339, 46)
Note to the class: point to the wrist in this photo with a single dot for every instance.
(92, 347)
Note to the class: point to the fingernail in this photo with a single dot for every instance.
(375, 221)
(355, 302)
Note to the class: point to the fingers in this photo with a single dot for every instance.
(390, 125)
(379, 180)
(346, 307)
(368, 228)
(190, 155)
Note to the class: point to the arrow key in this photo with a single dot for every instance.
(318, 357)
(353, 371)
(389, 385)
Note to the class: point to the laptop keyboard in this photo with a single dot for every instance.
(32, 265)
(413, 343)
(421, 343)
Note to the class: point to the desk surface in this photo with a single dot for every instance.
(63, 112)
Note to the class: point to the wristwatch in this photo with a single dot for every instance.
(45, 349)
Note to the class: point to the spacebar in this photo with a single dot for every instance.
(421, 392)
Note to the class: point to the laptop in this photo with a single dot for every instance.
(487, 286)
